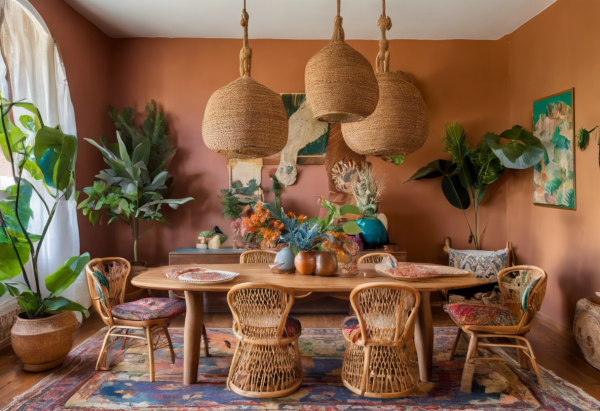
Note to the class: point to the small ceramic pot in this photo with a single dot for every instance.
(327, 263)
(43, 343)
(285, 258)
(306, 262)
(374, 235)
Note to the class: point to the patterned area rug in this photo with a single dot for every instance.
(77, 386)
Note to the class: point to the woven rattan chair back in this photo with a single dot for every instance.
(107, 289)
(373, 258)
(259, 309)
(385, 311)
(523, 289)
(257, 257)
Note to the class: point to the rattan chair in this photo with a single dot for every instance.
(146, 319)
(266, 362)
(523, 289)
(377, 360)
(373, 258)
(257, 257)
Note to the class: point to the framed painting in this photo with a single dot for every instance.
(554, 176)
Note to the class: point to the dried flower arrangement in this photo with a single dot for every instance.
(362, 183)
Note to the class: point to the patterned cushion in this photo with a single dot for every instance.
(149, 309)
(469, 314)
(292, 327)
(484, 264)
(351, 329)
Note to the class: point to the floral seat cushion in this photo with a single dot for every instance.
(469, 314)
(484, 264)
(292, 327)
(149, 309)
(351, 329)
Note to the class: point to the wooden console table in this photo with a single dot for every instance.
(217, 302)
(155, 278)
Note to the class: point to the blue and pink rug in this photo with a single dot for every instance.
(76, 385)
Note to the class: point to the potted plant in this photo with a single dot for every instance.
(44, 331)
(137, 184)
(367, 189)
(466, 177)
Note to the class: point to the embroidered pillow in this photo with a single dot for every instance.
(484, 264)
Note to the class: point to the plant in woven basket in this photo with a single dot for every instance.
(473, 168)
(127, 191)
(41, 158)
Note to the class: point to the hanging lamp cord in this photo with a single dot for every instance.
(246, 52)
(382, 64)
(338, 30)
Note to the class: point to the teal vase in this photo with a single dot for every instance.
(374, 235)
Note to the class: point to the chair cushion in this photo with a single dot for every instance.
(469, 314)
(149, 309)
(484, 264)
(292, 327)
(351, 329)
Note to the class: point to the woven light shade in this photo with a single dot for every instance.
(399, 125)
(340, 83)
(245, 119)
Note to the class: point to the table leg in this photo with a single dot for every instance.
(424, 337)
(194, 319)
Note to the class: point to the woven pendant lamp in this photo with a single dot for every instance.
(245, 119)
(340, 83)
(399, 125)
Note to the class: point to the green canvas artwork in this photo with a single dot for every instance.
(554, 176)
(292, 103)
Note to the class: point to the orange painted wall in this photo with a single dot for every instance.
(464, 81)
(555, 51)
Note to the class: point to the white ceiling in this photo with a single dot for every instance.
(309, 19)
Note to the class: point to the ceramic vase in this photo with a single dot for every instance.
(43, 343)
(374, 235)
(306, 262)
(586, 328)
(326, 263)
(285, 259)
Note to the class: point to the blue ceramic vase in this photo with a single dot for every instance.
(286, 258)
(374, 235)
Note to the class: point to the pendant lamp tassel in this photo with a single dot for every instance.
(382, 64)
(246, 52)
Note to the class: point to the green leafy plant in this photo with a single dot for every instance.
(466, 177)
(127, 191)
(50, 160)
(583, 137)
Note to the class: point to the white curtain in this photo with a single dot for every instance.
(36, 74)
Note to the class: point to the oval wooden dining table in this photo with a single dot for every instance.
(156, 279)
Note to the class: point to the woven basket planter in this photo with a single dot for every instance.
(399, 124)
(245, 119)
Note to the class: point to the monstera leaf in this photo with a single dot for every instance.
(523, 151)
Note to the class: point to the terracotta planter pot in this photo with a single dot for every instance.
(43, 343)
(133, 293)
(327, 264)
(306, 262)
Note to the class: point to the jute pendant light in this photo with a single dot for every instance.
(399, 125)
(245, 119)
(340, 83)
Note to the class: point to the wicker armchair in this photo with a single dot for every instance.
(373, 258)
(266, 362)
(146, 319)
(257, 257)
(523, 289)
(376, 362)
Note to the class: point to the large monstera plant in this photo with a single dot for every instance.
(47, 164)
(469, 172)
(127, 191)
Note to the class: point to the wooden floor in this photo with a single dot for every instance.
(553, 351)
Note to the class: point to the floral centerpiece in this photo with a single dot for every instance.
(265, 229)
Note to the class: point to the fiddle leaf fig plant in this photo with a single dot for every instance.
(49, 157)
(466, 177)
(126, 191)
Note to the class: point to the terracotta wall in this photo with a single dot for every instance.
(464, 81)
(87, 55)
(555, 51)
